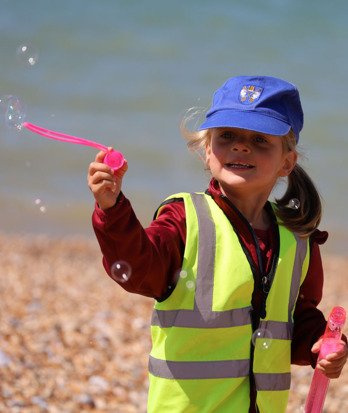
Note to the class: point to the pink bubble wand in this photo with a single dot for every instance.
(113, 158)
(330, 344)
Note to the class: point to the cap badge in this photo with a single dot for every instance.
(250, 93)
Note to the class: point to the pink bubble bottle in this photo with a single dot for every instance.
(331, 343)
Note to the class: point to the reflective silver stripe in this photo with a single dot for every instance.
(206, 255)
(300, 255)
(206, 319)
(272, 381)
(301, 252)
(199, 369)
(279, 329)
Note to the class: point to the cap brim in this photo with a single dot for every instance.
(246, 120)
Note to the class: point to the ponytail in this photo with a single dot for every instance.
(304, 220)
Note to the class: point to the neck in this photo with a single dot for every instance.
(252, 207)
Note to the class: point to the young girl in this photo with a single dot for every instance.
(236, 279)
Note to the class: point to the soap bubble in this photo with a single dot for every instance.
(38, 203)
(294, 203)
(179, 274)
(121, 271)
(190, 285)
(262, 338)
(194, 117)
(15, 113)
(27, 54)
(183, 274)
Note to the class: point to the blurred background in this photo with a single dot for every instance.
(123, 73)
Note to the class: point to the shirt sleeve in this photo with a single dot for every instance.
(309, 321)
(154, 254)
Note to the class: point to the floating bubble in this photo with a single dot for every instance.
(262, 338)
(194, 117)
(183, 274)
(190, 285)
(15, 113)
(294, 203)
(180, 273)
(42, 208)
(27, 54)
(121, 271)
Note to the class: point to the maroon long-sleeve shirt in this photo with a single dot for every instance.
(155, 255)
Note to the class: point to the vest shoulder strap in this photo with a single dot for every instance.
(178, 197)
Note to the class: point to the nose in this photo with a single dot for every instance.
(240, 144)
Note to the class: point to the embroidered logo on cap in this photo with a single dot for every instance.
(250, 93)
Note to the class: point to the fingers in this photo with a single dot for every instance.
(332, 370)
(99, 167)
(98, 171)
(333, 363)
(316, 346)
(100, 156)
(101, 180)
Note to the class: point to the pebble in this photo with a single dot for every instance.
(74, 341)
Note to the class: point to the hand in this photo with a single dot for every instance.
(104, 182)
(333, 363)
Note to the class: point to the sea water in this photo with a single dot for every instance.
(123, 73)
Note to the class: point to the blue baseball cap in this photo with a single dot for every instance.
(261, 103)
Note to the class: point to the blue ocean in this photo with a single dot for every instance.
(123, 73)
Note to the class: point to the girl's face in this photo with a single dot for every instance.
(249, 162)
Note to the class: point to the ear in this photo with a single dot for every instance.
(207, 152)
(289, 163)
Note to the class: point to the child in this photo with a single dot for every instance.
(236, 279)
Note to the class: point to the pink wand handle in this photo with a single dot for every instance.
(113, 158)
(330, 344)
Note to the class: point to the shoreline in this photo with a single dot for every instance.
(71, 339)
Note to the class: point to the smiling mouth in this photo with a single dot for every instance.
(237, 165)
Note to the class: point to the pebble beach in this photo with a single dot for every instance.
(71, 340)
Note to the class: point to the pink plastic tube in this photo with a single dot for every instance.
(113, 158)
(331, 343)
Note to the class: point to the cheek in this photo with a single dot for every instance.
(211, 160)
(216, 153)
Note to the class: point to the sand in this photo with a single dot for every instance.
(71, 340)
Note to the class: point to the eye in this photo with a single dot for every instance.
(260, 139)
(227, 135)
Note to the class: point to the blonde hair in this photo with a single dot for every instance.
(196, 140)
(304, 220)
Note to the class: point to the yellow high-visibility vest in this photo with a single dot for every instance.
(203, 350)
